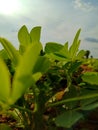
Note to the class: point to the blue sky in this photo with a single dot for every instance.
(59, 19)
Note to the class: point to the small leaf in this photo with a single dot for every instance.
(5, 85)
(52, 47)
(36, 76)
(80, 54)
(75, 45)
(68, 118)
(24, 38)
(12, 52)
(90, 77)
(74, 66)
(42, 65)
(35, 34)
(3, 54)
(64, 51)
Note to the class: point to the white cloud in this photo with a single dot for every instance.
(85, 6)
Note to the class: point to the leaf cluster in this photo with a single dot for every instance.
(56, 82)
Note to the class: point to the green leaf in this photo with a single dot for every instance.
(68, 118)
(24, 38)
(4, 127)
(52, 47)
(35, 34)
(42, 65)
(90, 106)
(5, 84)
(64, 51)
(88, 101)
(55, 56)
(80, 54)
(36, 76)
(74, 66)
(23, 76)
(75, 46)
(12, 52)
(90, 77)
(72, 99)
(3, 54)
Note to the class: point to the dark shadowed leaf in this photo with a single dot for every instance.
(68, 118)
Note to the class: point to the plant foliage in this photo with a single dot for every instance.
(47, 87)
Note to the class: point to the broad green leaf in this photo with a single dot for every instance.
(12, 52)
(24, 38)
(75, 45)
(5, 85)
(52, 47)
(64, 50)
(68, 119)
(4, 127)
(42, 65)
(23, 76)
(80, 54)
(3, 54)
(63, 53)
(90, 77)
(35, 34)
(55, 56)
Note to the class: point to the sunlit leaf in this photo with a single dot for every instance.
(24, 38)
(52, 47)
(36, 76)
(75, 45)
(80, 54)
(35, 34)
(64, 51)
(55, 56)
(23, 76)
(3, 54)
(42, 65)
(11, 50)
(90, 77)
(5, 85)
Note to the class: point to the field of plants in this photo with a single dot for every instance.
(47, 88)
